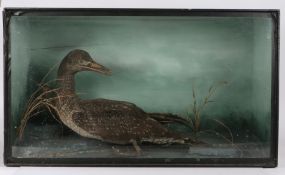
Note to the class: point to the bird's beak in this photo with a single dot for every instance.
(93, 66)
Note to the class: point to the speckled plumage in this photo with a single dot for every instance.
(111, 121)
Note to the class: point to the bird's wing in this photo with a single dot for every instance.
(98, 105)
(118, 125)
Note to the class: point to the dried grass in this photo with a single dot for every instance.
(42, 99)
(194, 117)
(37, 103)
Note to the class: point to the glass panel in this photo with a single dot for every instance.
(201, 86)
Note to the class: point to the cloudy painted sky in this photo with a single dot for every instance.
(155, 60)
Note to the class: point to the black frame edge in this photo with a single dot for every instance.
(7, 149)
(275, 88)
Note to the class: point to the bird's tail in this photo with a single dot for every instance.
(179, 138)
(169, 118)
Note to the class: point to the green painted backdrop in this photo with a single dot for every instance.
(155, 61)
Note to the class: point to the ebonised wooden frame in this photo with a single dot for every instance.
(150, 162)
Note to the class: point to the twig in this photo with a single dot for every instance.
(227, 128)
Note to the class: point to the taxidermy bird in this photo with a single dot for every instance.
(111, 121)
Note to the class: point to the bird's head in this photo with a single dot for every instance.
(80, 60)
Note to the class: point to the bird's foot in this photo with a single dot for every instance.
(117, 151)
(136, 146)
(124, 152)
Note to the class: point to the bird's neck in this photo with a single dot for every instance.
(68, 102)
(66, 83)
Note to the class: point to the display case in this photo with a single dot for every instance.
(141, 87)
